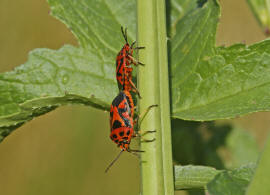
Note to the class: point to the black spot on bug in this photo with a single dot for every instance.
(121, 133)
(118, 99)
(125, 138)
(117, 124)
(128, 132)
(127, 122)
(114, 136)
(121, 111)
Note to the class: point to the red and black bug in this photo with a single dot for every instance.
(121, 119)
(122, 124)
(124, 69)
(122, 108)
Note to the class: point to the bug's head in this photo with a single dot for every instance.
(128, 48)
(124, 144)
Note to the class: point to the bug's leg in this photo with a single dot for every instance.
(135, 88)
(135, 152)
(143, 114)
(132, 44)
(145, 132)
(140, 135)
(131, 150)
(135, 62)
(137, 48)
(148, 140)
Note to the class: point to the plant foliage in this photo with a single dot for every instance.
(206, 82)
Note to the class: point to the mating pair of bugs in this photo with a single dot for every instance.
(122, 108)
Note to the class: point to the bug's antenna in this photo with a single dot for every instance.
(124, 33)
(116, 158)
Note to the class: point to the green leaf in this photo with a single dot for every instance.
(96, 24)
(190, 177)
(176, 10)
(211, 83)
(260, 181)
(261, 10)
(89, 20)
(53, 78)
(231, 182)
(215, 181)
(242, 147)
(84, 75)
(179, 8)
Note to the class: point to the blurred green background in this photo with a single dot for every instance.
(66, 151)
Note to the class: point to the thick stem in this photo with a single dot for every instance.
(156, 164)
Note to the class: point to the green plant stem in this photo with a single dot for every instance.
(156, 162)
